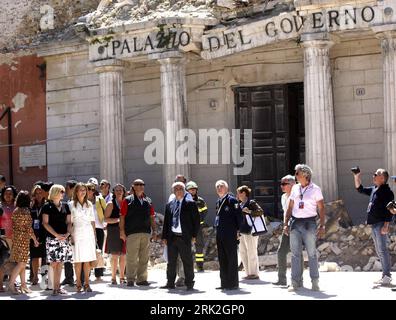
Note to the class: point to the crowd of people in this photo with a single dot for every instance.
(69, 226)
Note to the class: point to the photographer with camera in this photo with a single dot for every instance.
(378, 216)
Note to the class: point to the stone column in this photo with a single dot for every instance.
(174, 112)
(319, 114)
(387, 36)
(111, 120)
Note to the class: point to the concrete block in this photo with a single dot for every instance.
(54, 157)
(73, 82)
(374, 76)
(373, 106)
(362, 63)
(81, 156)
(69, 107)
(139, 100)
(59, 133)
(74, 94)
(74, 119)
(372, 91)
(142, 86)
(79, 65)
(366, 166)
(365, 151)
(366, 136)
(56, 68)
(376, 120)
(347, 78)
(143, 112)
(352, 122)
(74, 144)
(343, 94)
(345, 108)
(342, 63)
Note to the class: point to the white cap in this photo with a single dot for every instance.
(93, 181)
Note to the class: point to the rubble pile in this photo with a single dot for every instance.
(21, 21)
(344, 248)
(113, 13)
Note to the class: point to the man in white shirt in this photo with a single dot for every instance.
(305, 200)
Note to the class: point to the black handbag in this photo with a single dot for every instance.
(4, 251)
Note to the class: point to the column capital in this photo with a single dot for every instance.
(385, 31)
(321, 40)
(110, 65)
(168, 57)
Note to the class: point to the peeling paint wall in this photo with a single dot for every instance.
(22, 87)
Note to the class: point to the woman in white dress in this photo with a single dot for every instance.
(84, 237)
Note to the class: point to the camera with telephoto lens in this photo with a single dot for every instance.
(391, 205)
(355, 170)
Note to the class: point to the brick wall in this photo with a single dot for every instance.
(22, 87)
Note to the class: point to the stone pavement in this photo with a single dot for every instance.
(334, 285)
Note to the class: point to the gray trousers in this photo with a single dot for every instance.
(283, 250)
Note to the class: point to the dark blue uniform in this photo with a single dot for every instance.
(227, 223)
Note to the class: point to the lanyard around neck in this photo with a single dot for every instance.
(302, 193)
(221, 205)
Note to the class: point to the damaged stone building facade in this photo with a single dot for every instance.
(313, 80)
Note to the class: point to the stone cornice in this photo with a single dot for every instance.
(61, 48)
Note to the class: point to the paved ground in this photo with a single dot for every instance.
(334, 285)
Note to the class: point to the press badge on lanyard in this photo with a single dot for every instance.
(301, 203)
(36, 224)
(216, 221)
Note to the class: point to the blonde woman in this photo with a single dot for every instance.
(83, 235)
(57, 222)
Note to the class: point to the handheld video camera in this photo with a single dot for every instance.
(391, 205)
(355, 170)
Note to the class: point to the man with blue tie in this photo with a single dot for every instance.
(181, 225)
(227, 224)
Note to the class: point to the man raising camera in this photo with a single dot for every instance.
(378, 217)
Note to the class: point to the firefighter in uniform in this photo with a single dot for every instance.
(192, 188)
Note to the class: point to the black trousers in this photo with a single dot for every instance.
(199, 248)
(100, 241)
(69, 272)
(228, 260)
(177, 246)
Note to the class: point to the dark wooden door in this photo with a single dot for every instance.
(265, 110)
